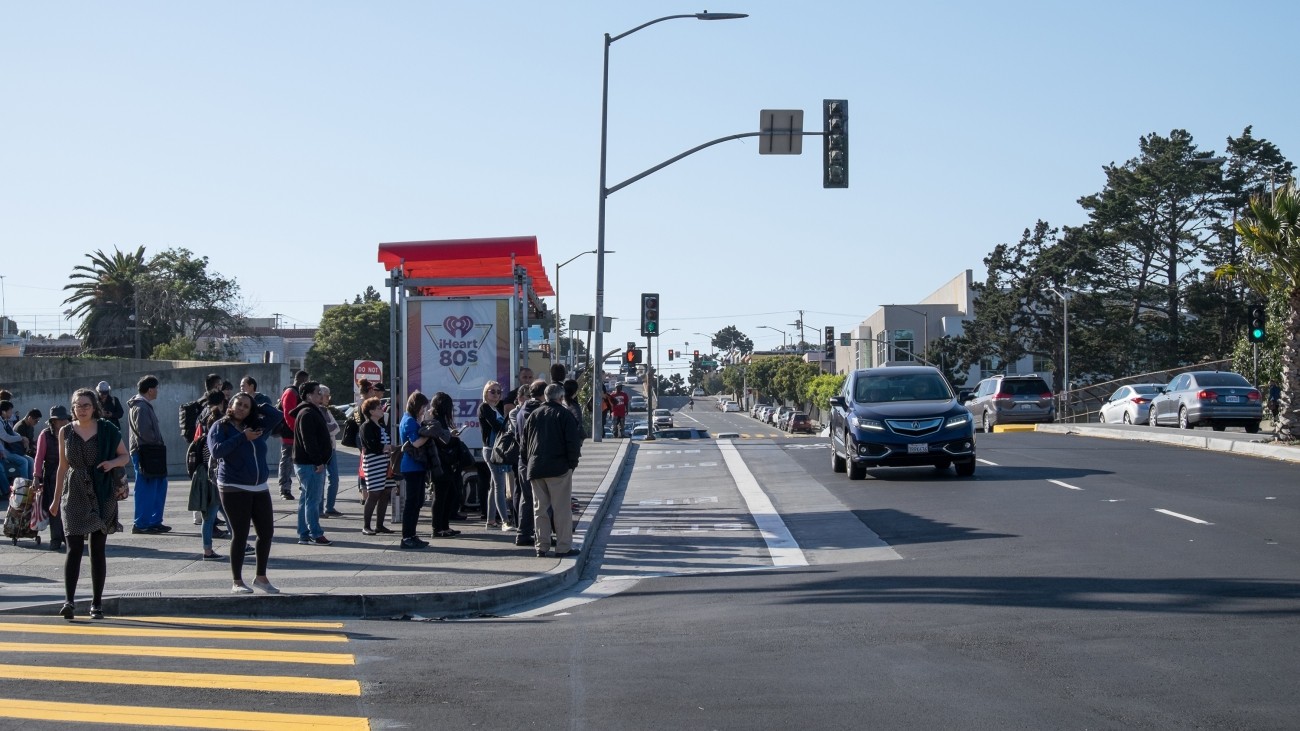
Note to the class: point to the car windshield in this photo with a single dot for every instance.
(877, 388)
(1221, 379)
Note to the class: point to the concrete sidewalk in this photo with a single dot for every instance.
(1237, 442)
(358, 576)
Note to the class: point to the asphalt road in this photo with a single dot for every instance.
(743, 585)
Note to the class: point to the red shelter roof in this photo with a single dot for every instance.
(485, 259)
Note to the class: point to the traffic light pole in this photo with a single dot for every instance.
(651, 381)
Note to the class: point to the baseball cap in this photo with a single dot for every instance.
(103, 387)
(60, 413)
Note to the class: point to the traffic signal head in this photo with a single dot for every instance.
(697, 356)
(632, 356)
(670, 354)
(649, 314)
(828, 341)
(1258, 322)
(835, 143)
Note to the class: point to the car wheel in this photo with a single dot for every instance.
(1127, 418)
(1252, 428)
(986, 424)
(1183, 423)
(837, 462)
(1151, 416)
(966, 469)
(856, 470)
(1101, 416)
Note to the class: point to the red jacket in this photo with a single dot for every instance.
(288, 402)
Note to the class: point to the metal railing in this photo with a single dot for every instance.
(1083, 404)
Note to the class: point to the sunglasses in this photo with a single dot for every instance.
(494, 390)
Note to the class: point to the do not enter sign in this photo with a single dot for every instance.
(372, 369)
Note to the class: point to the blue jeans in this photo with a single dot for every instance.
(496, 501)
(209, 521)
(310, 485)
(332, 483)
(150, 497)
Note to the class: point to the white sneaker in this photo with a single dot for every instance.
(265, 587)
(240, 588)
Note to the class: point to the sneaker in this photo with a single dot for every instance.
(413, 543)
(287, 495)
(198, 519)
(67, 610)
(331, 513)
(265, 587)
(160, 528)
(322, 541)
(523, 540)
(541, 554)
(384, 529)
(214, 556)
(150, 531)
(241, 588)
(368, 532)
(304, 541)
(96, 612)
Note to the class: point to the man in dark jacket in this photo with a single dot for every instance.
(551, 446)
(288, 402)
(109, 406)
(312, 448)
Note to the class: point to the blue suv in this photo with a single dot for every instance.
(900, 417)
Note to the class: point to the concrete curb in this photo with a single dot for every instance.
(1184, 438)
(468, 602)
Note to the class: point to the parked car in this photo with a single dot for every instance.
(1129, 404)
(778, 414)
(698, 392)
(1219, 399)
(1011, 400)
(663, 418)
(784, 421)
(730, 406)
(897, 417)
(799, 422)
(636, 403)
(753, 411)
(763, 413)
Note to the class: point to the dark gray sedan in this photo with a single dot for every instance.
(1218, 399)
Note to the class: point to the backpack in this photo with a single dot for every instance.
(505, 449)
(189, 418)
(351, 430)
(194, 456)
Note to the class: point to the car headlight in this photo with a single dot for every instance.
(869, 424)
(958, 420)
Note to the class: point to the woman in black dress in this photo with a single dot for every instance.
(90, 448)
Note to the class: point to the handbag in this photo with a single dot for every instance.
(153, 460)
(505, 450)
(351, 429)
(120, 489)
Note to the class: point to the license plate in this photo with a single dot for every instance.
(918, 449)
(1231, 399)
(1028, 406)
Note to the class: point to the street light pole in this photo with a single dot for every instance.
(557, 307)
(1065, 353)
(598, 375)
(783, 334)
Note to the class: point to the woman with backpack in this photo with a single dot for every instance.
(205, 500)
(492, 421)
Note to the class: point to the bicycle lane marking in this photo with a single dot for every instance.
(785, 551)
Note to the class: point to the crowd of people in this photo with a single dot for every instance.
(532, 439)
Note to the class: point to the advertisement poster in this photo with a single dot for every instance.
(457, 346)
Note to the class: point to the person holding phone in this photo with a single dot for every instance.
(238, 444)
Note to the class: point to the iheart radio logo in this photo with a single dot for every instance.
(459, 327)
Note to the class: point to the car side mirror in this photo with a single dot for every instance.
(965, 397)
(838, 401)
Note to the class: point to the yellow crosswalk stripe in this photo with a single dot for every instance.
(101, 630)
(220, 622)
(190, 653)
(267, 683)
(174, 717)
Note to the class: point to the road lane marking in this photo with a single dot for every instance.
(218, 622)
(99, 630)
(985, 461)
(263, 683)
(1063, 484)
(190, 653)
(780, 544)
(1184, 517)
(209, 718)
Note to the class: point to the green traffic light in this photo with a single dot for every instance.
(1257, 333)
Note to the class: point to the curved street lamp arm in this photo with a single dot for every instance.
(624, 34)
(666, 163)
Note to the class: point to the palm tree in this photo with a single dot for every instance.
(103, 294)
(1269, 233)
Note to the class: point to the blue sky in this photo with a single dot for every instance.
(286, 140)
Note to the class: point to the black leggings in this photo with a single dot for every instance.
(412, 502)
(242, 507)
(446, 500)
(376, 505)
(98, 566)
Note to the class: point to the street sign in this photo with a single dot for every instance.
(372, 369)
(782, 132)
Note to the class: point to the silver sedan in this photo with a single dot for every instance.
(1218, 399)
(1129, 404)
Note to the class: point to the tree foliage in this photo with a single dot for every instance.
(348, 333)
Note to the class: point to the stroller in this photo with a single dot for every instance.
(25, 518)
